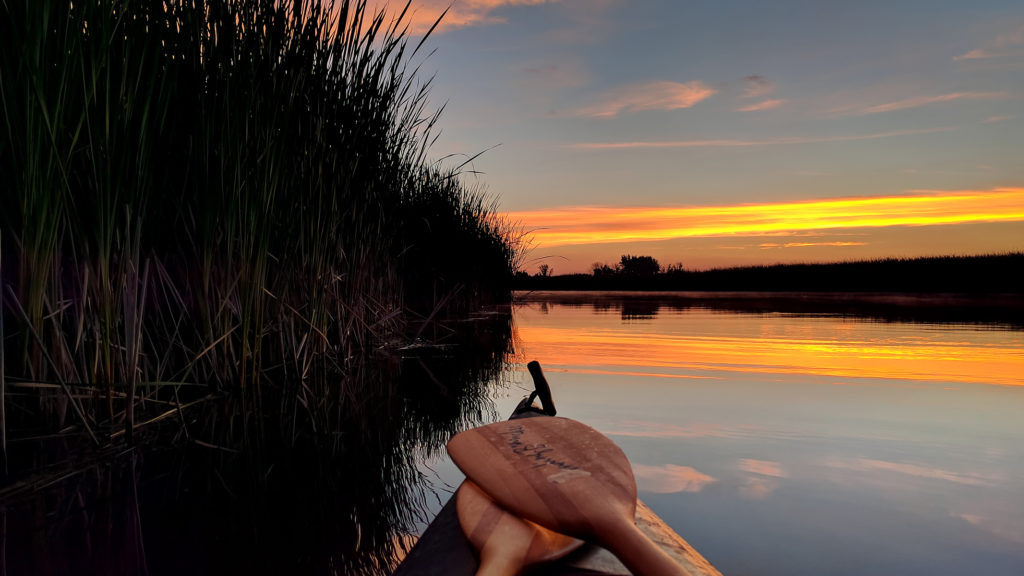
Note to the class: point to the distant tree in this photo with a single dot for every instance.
(601, 269)
(544, 270)
(638, 265)
(674, 268)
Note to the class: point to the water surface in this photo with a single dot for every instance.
(319, 484)
(800, 443)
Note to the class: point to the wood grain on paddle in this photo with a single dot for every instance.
(565, 476)
(506, 543)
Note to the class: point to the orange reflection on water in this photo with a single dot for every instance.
(699, 343)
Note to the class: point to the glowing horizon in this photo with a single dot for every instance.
(610, 130)
(583, 225)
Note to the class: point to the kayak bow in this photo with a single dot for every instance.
(443, 548)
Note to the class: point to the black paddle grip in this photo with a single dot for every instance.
(540, 384)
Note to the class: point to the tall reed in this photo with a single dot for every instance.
(206, 195)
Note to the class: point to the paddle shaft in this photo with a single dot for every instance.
(506, 543)
(511, 557)
(638, 552)
(499, 563)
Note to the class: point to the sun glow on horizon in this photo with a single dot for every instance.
(608, 224)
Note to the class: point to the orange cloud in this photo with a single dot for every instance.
(461, 14)
(766, 105)
(919, 101)
(608, 224)
(660, 95)
(723, 143)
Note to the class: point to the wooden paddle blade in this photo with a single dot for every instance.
(506, 543)
(565, 476)
(559, 473)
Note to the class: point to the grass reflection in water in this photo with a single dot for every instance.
(198, 500)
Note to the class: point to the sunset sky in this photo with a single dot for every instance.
(738, 132)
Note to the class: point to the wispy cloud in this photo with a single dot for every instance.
(770, 245)
(913, 469)
(996, 47)
(644, 429)
(1012, 38)
(758, 488)
(579, 225)
(670, 479)
(757, 86)
(995, 119)
(1009, 527)
(659, 95)
(764, 479)
(556, 76)
(977, 54)
(766, 105)
(917, 102)
(762, 467)
(424, 13)
(738, 143)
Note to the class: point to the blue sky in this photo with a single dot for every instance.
(668, 104)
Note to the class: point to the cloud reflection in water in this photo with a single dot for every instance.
(669, 479)
(760, 436)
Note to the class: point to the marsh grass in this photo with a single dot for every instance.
(219, 197)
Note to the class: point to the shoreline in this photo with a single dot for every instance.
(988, 309)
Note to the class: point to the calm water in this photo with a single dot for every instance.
(797, 443)
(200, 496)
(776, 443)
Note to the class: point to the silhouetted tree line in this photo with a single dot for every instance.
(629, 266)
(991, 274)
